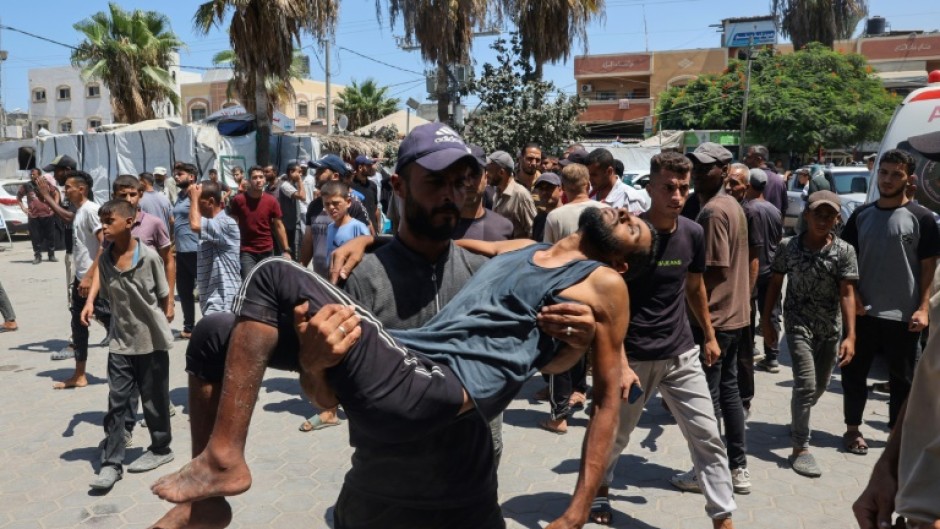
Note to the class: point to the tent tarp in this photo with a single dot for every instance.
(635, 159)
(400, 120)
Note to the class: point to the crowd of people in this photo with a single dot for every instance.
(500, 266)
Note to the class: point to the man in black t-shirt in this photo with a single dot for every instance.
(661, 350)
(364, 167)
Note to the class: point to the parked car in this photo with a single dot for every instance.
(16, 220)
(851, 184)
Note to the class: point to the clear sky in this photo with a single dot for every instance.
(629, 25)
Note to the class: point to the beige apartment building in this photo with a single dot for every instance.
(208, 95)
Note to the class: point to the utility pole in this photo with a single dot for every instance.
(747, 93)
(3, 108)
(329, 100)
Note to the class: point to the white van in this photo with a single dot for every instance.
(918, 114)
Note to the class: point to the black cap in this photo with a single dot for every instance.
(710, 152)
(575, 156)
(62, 161)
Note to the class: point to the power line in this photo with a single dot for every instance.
(40, 37)
(380, 62)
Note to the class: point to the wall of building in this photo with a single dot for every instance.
(78, 112)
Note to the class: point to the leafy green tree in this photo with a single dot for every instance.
(365, 103)
(516, 109)
(799, 102)
(823, 21)
(263, 34)
(130, 52)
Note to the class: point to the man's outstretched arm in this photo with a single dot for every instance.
(608, 297)
(491, 249)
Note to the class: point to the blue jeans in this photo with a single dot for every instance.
(813, 360)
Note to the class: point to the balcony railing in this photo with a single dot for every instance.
(610, 95)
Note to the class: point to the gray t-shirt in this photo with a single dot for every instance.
(138, 324)
(890, 244)
(158, 205)
(563, 221)
(404, 291)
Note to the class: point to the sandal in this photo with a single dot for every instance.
(854, 443)
(316, 423)
(601, 513)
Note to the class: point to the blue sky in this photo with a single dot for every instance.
(670, 24)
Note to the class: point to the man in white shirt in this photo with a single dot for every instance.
(609, 189)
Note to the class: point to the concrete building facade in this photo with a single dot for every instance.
(61, 102)
(210, 94)
(622, 89)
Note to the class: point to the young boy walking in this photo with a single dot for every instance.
(821, 270)
(336, 201)
(131, 276)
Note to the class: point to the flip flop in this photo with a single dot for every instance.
(601, 507)
(316, 423)
(854, 443)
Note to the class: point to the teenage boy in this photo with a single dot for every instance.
(86, 232)
(897, 243)
(344, 228)
(226, 190)
(259, 217)
(218, 274)
(820, 269)
(132, 277)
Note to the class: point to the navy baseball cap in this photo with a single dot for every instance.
(548, 178)
(434, 146)
(362, 159)
(333, 163)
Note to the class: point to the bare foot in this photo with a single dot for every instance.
(559, 426)
(722, 523)
(71, 383)
(203, 478)
(214, 513)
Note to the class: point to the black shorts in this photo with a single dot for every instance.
(388, 392)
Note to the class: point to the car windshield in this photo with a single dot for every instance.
(851, 181)
(13, 188)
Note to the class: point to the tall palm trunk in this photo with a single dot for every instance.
(262, 120)
(443, 92)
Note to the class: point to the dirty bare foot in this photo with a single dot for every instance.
(213, 513)
(202, 478)
(71, 383)
(722, 523)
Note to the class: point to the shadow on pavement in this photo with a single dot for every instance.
(289, 386)
(520, 510)
(61, 374)
(45, 347)
(530, 418)
(95, 418)
(180, 397)
(298, 407)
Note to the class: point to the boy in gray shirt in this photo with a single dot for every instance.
(132, 279)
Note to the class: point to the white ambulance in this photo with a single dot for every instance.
(917, 117)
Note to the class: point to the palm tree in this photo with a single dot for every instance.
(130, 52)
(444, 31)
(823, 21)
(549, 28)
(365, 103)
(263, 34)
(242, 87)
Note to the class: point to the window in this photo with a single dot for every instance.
(39, 95)
(65, 125)
(302, 110)
(42, 125)
(94, 123)
(94, 91)
(64, 93)
(321, 112)
(197, 113)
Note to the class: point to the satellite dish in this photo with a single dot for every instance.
(343, 123)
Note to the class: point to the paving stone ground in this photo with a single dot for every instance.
(49, 439)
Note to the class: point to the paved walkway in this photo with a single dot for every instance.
(49, 438)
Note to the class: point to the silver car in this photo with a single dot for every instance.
(851, 184)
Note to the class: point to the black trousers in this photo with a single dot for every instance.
(722, 379)
(186, 264)
(899, 345)
(42, 234)
(354, 511)
(561, 386)
(79, 331)
(127, 374)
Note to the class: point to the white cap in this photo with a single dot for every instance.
(159, 170)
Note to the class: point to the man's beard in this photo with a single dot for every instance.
(420, 221)
(597, 233)
(183, 185)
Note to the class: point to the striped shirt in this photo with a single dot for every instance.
(218, 273)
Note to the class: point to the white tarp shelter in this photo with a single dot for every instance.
(401, 120)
